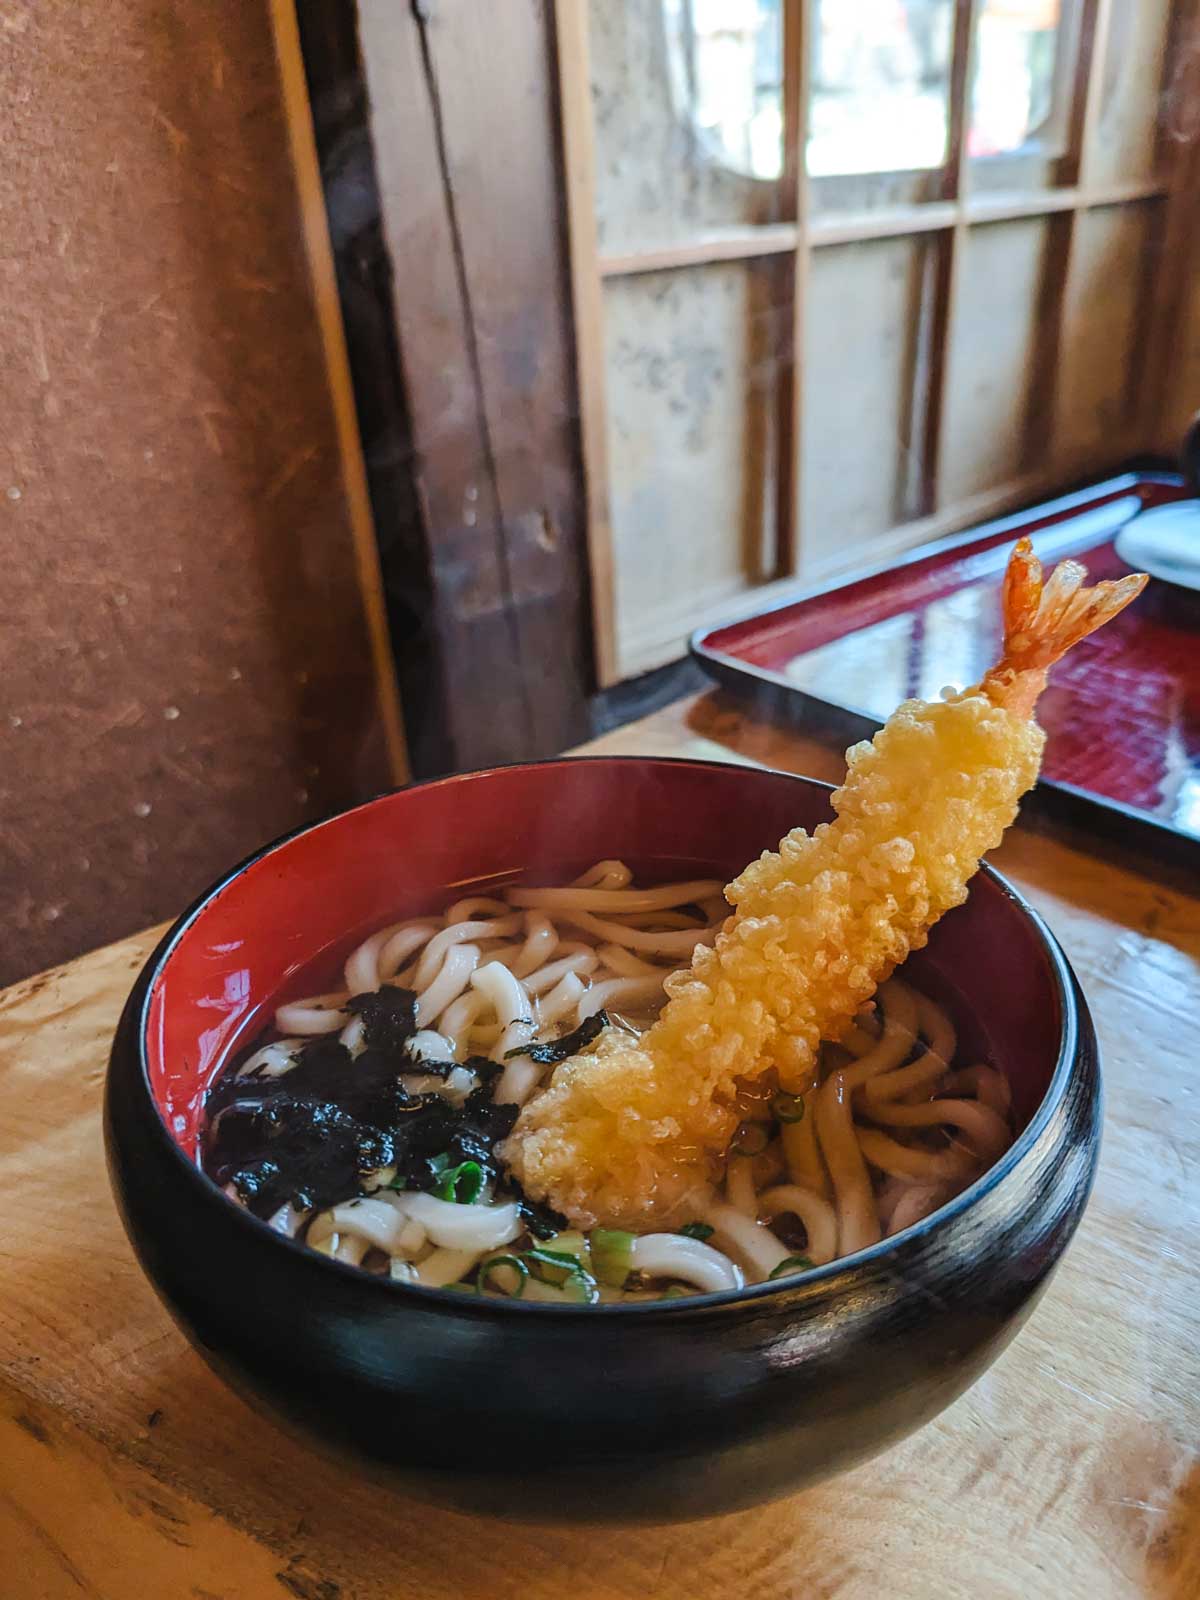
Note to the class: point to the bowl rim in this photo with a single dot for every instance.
(818, 1278)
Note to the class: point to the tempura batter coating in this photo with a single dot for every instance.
(620, 1136)
(627, 1133)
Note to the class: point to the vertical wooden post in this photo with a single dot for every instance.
(467, 153)
(797, 74)
(587, 294)
(341, 386)
(950, 249)
(1086, 84)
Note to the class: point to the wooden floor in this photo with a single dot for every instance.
(1071, 1470)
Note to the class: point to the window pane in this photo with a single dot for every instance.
(1019, 96)
(688, 117)
(692, 386)
(1111, 244)
(881, 77)
(866, 335)
(726, 60)
(992, 346)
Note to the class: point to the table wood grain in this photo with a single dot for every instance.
(1071, 1469)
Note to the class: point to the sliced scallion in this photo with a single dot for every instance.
(488, 1267)
(612, 1255)
(696, 1230)
(580, 1287)
(793, 1264)
(551, 1266)
(462, 1184)
(569, 1242)
(563, 1270)
(788, 1107)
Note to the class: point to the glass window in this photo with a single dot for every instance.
(880, 81)
(726, 60)
(880, 86)
(688, 118)
(1021, 87)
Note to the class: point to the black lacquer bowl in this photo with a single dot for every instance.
(628, 1411)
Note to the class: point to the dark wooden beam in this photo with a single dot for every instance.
(438, 131)
(464, 133)
(337, 92)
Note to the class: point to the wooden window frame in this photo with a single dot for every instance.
(946, 220)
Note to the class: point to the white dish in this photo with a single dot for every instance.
(1165, 542)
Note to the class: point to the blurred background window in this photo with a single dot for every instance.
(880, 86)
(726, 68)
(1021, 91)
(880, 81)
(950, 306)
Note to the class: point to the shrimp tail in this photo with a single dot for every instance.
(1042, 621)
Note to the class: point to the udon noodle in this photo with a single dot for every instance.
(889, 1127)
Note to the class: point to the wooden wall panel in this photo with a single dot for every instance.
(184, 668)
(692, 375)
(860, 464)
(1099, 329)
(463, 118)
(655, 181)
(992, 343)
(1130, 91)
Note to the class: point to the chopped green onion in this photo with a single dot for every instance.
(462, 1184)
(570, 1242)
(488, 1267)
(612, 1255)
(551, 1266)
(578, 1289)
(696, 1230)
(564, 1270)
(581, 1287)
(793, 1264)
(750, 1139)
(788, 1107)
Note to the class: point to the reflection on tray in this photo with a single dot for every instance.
(948, 644)
(1122, 712)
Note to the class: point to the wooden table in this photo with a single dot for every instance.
(1071, 1469)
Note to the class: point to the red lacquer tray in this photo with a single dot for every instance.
(1122, 711)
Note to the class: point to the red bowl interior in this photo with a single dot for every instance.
(300, 907)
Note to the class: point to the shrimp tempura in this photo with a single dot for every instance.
(627, 1132)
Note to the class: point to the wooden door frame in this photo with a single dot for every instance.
(437, 125)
